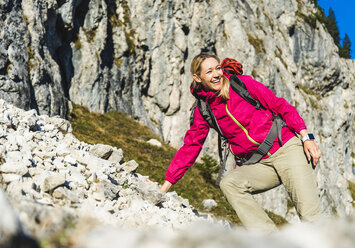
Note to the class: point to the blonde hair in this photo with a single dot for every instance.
(196, 69)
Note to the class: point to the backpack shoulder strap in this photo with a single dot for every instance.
(192, 115)
(239, 87)
(207, 114)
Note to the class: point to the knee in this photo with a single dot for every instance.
(233, 183)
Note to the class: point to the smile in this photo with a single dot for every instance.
(216, 82)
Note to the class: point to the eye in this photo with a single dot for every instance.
(219, 68)
(208, 72)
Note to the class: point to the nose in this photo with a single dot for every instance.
(215, 73)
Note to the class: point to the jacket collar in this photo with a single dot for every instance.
(208, 96)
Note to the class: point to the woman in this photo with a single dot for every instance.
(245, 127)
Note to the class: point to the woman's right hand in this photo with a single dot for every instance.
(165, 187)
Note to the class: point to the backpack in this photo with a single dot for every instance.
(234, 68)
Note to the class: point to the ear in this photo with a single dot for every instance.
(196, 78)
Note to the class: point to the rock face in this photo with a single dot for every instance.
(134, 56)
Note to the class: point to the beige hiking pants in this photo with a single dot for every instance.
(288, 166)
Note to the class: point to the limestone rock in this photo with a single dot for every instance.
(10, 226)
(101, 151)
(208, 204)
(14, 168)
(154, 142)
(51, 182)
(130, 166)
(116, 156)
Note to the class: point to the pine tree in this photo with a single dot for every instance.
(332, 27)
(345, 49)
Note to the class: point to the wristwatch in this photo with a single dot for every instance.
(308, 137)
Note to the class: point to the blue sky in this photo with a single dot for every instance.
(344, 14)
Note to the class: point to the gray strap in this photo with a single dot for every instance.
(264, 147)
(192, 115)
(223, 155)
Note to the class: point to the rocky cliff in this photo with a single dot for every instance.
(134, 56)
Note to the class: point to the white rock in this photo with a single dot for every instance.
(13, 156)
(53, 181)
(208, 204)
(14, 167)
(101, 151)
(154, 142)
(130, 166)
(70, 160)
(8, 178)
(10, 227)
(116, 156)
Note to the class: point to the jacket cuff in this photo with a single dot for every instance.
(171, 180)
(300, 129)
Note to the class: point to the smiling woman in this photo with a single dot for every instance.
(207, 73)
(266, 159)
(211, 75)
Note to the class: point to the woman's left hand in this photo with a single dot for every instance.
(312, 151)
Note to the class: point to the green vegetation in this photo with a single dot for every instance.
(31, 63)
(277, 219)
(334, 210)
(257, 43)
(119, 130)
(77, 43)
(290, 205)
(90, 34)
(115, 21)
(311, 94)
(352, 191)
(117, 61)
(1, 159)
(330, 24)
(8, 67)
(278, 54)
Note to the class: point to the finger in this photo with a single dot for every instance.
(318, 155)
(308, 155)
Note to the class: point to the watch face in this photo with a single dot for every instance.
(311, 136)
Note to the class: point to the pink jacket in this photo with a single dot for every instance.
(244, 126)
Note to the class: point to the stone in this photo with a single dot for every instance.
(154, 142)
(64, 193)
(130, 166)
(14, 167)
(116, 156)
(70, 160)
(101, 151)
(9, 177)
(208, 204)
(13, 156)
(10, 226)
(150, 191)
(53, 181)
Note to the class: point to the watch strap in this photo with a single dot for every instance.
(308, 137)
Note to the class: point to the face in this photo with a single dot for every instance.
(211, 76)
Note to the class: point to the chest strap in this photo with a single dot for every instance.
(264, 147)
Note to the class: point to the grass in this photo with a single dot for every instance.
(119, 130)
(77, 43)
(351, 188)
(126, 24)
(257, 43)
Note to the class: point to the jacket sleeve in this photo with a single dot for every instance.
(276, 104)
(188, 153)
